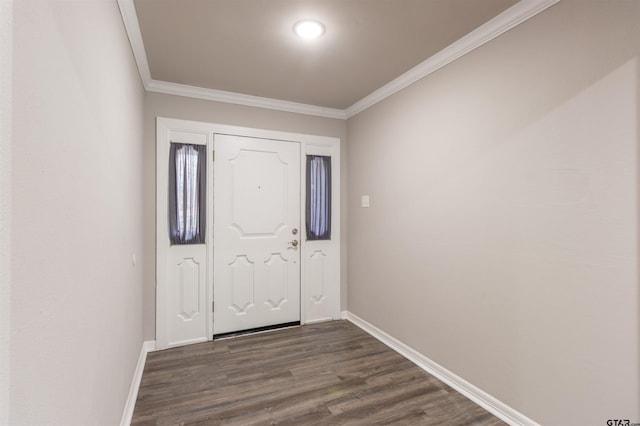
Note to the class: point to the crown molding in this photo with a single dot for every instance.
(508, 19)
(132, 26)
(241, 99)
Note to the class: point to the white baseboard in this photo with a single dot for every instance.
(127, 415)
(344, 315)
(150, 345)
(480, 397)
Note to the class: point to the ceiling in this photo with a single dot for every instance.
(246, 49)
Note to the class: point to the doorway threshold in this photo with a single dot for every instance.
(256, 330)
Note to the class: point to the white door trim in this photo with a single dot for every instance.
(310, 144)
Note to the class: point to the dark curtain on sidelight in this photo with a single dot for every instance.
(187, 193)
(318, 197)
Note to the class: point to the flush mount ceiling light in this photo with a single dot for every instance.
(308, 29)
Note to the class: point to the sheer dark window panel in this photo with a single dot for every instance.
(318, 203)
(187, 193)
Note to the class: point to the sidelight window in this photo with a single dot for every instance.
(187, 193)
(318, 202)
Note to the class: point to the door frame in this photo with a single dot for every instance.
(309, 144)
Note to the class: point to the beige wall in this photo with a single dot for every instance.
(160, 105)
(502, 238)
(6, 36)
(76, 298)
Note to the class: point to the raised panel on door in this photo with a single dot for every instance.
(187, 299)
(256, 209)
(321, 287)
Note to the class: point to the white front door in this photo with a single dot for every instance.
(256, 280)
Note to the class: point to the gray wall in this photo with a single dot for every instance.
(6, 36)
(502, 238)
(160, 105)
(76, 298)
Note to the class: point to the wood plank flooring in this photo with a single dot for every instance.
(331, 373)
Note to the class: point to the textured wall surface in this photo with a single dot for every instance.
(6, 36)
(160, 105)
(76, 297)
(502, 237)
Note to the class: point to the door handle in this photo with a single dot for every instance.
(294, 243)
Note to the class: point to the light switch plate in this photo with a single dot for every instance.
(364, 201)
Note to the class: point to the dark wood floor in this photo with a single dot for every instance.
(331, 373)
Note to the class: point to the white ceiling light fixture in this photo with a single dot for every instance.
(308, 29)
